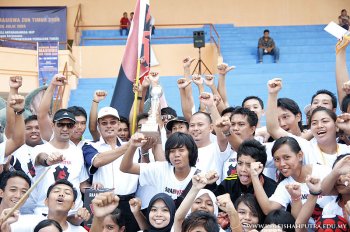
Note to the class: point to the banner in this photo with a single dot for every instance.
(137, 47)
(34, 24)
(89, 195)
(47, 61)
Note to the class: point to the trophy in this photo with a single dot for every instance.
(151, 127)
(342, 43)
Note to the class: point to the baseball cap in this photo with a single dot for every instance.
(170, 124)
(307, 108)
(63, 114)
(105, 111)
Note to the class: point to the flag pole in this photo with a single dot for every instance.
(136, 95)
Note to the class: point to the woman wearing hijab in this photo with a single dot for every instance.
(199, 199)
(160, 213)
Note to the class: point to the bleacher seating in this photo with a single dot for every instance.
(307, 63)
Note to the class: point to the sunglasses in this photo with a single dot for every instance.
(167, 116)
(69, 125)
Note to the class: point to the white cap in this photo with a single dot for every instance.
(106, 111)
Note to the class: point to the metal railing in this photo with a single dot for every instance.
(4, 42)
(213, 33)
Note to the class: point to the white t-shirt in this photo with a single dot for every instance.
(22, 160)
(72, 169)
(328, 159)
(230, 165)
(110, 175)
(309, 156)
(2, 152)
(145, 192)
(282, 196)
(211, 158)
(332, 208)
(161, 176)
(27, 223)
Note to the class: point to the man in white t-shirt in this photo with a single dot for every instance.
(103, 160)
(65, 160)
(44, 118)
(211, 156)
(60, 200)
(21, 159)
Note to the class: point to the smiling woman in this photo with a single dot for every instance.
(292, 189)
(160, 213)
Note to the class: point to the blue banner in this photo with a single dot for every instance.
(34, 24)
(47, 61)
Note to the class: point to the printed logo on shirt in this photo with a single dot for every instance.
(231, 170)
(173, 191)
(317, 213)
(66, 162)
(61, 173)
(31, 168)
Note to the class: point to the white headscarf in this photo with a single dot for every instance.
(212, 197)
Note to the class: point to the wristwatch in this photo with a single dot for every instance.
(19, 112)
(145, 154)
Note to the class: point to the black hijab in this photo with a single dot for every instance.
(169, 202)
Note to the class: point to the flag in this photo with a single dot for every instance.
(137, 47)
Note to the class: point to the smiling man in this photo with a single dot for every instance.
(13, 186)
(65, 159)
(103, 160)
(20, 159)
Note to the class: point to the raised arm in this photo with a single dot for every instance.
(198, 183)
(342, 167)
(207, 100)
(141, 98)
(224, 124)
(294, 191)
(44, 120)
(266, 205)
(225, 204)
(135, 207)
(341, 70)
(306, 211)
(15, 83)
(16, 103)
(272, 125)
(209, 81)
(198, 80)
(187, 101)
(343, 123)
(127, 165)
(103, 204)
(223, 69)
(99, 95)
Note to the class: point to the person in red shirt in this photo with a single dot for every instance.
(124, 24)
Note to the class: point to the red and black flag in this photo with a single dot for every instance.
(137, 47)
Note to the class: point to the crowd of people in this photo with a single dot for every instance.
(215, 169)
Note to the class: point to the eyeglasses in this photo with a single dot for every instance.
(167, 116)
(112, 123)
(69, 125)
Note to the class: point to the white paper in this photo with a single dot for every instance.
(335, 30)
